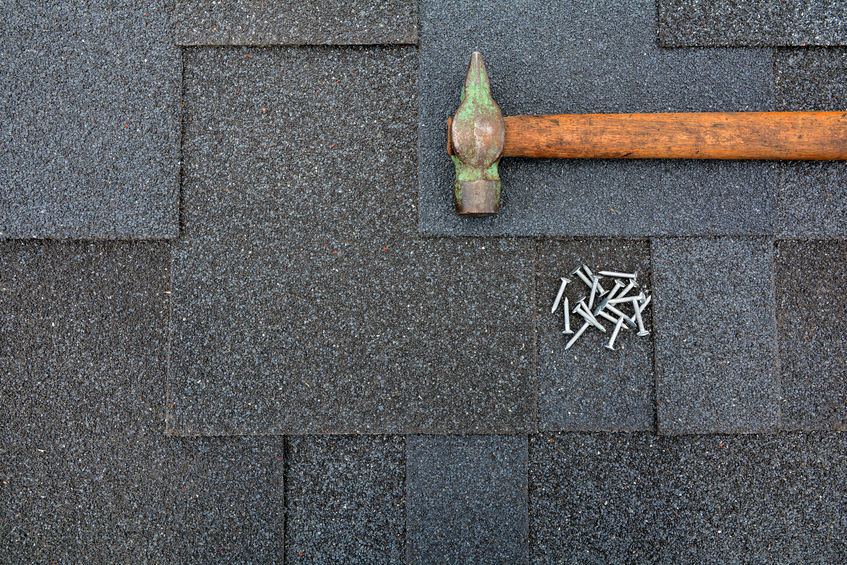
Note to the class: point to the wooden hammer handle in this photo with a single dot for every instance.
(711, 135)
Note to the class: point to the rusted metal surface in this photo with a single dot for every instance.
(476, 135)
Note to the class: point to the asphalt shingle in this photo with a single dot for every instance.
(466, 499)
(812, 197)
(258, 22)
(600, 498)
(342, 320)
(717, 23)
(588, 387)
(88, 474)
(91, 121)
(345, 499)
(810, 311)
(716, 353)
(550, 58)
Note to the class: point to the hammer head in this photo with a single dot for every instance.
(475, 141)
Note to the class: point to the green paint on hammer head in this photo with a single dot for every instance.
(477, 133)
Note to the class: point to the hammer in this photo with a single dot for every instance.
(478, 135)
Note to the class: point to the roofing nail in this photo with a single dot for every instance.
(611, 344)
(629, 321)
(632, 299)
(596, 282)
(565, 282)
(643, 305)
(630, 286)
(580, 274)
(583, 311)
(578, 333)
(642, 331)
(618, 286)
(617, 275)
(607, 316)
(567, 329)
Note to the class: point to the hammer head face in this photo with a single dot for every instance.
(476, 134)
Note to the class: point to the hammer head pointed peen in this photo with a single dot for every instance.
(475, 143)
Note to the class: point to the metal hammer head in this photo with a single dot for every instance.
(475, 141)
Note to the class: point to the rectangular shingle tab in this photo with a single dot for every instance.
(466, 499)
(716, 353)
(91, 120)
(88, 474)
(718, 23)
(345, 499)
(258, 22)
(303, 300)
(707, 499)
(810, 311)
(588, 387)
(812, 198)
(587, 57)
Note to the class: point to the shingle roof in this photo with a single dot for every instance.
(317, 364)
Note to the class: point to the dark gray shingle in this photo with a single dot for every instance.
(258, 22)
(90, 112)
(716, 353)
(466, 499)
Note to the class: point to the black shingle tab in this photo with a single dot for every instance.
(345, 499)
(716, 353)
(466, 499)
(88, 474)
(810, 311)
(589, 387)
(551, 58)
(91, 120)
(258, 22)
(812, 199)
(719, 23)
(600, 498)
(303, 300)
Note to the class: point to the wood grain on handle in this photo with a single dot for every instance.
(710, 135)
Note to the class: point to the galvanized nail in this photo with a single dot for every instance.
(596, 282)
(629, 321)
(565, 282)
(567, 329)
(578, 333)
(644, 304)
(642, 331)
(583, 311)
(580, 274)
(607, 316)
(632, 299)
(617, 275)
(616, 288)
(611, 344)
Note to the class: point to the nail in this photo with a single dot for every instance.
(607, 316)
(644, 304)
(579, 273)
(619, 275)
(582, 311)
(629, 287)
(565, 282)
(578, 333)
(632, 299)
(596, 282)
(618, 286)
(611, 344)
(567, 329)
(629, 321)
(642, 331)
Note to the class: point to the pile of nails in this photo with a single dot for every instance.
(622, 304)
